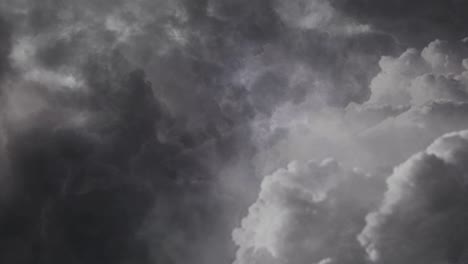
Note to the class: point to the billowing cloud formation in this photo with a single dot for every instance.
(436, 73)
(415, 98)
(423, 215)
(433, 84)
(307, 213)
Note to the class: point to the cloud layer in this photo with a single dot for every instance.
(416, 98)
(140, 131)
(307, 213)
(421, 219)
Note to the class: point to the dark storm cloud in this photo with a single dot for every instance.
(5, 46)
(103, 170)
(83, 192)
(74, 196)
(122, 120)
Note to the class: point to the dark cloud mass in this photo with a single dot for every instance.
(414, 22)
(5, 47)
(141, 131)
